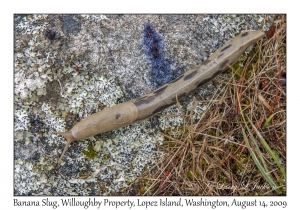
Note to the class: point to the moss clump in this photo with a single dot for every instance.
(223, 180)
(189, 176)
(90, 153)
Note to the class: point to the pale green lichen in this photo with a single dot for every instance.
(52, 121)
(27, 24)
(21, 120)
(231, 23)
(25, 179)
(95, 90)
(95, 18)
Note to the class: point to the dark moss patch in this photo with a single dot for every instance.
(161, 72)
(53, 93)
(90, 153)
(69, 25)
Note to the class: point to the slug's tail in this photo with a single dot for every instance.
(68, 135)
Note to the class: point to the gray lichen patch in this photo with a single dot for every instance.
(97, 61)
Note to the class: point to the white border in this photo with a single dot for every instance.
(151, 6)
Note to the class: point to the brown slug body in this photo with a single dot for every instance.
(109, 118)
(142, 108)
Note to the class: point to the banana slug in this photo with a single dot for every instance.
(123, 114)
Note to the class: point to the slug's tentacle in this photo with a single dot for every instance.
(70, 138)
(150, 104)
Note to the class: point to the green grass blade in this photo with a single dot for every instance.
(257, 148)
(263, 141)
(257, 163)
(268, 120)
(255, 142)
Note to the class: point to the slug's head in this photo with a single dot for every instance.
(70, 138)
